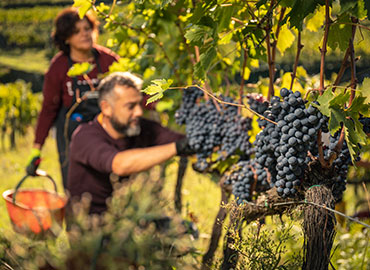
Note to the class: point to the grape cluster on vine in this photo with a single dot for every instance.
(212, 129)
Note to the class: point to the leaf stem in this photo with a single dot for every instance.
(343, 67)
(299, 49)
(352, 63)
(269, 57)
(228, 103)
(241, 90)
(322, 160)
(324, 44)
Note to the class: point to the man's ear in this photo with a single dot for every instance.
(106, 108)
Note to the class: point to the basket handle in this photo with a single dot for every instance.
(38, 173)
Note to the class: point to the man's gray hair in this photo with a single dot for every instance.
(107, 85)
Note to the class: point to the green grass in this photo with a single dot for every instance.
(30, 60)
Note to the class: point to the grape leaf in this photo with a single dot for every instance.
(365, 90)
(300, 10)
(340, 33)
(80, 69)
(336, 117)
(286, 39)
(324, 100)
(83, 6)
(225, 17)
(367, 7)
(340, 100)
(359, 106)
(164, 105)
(355, 8)
(156, 89)
(316, 21)
(205, 60)
(196, 34)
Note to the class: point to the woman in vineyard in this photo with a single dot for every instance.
(75, 38)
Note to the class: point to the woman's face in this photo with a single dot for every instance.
(82, 37)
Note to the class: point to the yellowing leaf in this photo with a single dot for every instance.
(247, 73)
(315, 22)
(254, 62)
(83, 6)
(287, 80)
(301, 72)
(286, 39)
(225, 38)
(133, 49)
(80, 69)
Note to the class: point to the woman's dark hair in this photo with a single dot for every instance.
(65, 24)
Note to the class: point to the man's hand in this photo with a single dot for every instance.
(183, 148)
(33, 161)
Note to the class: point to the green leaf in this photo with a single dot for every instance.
(340, 33)
(156, 89)
(165, 104)
(226, 14)
(356, 8)
(286, 39)
(205, 60)
(83, 6)
(340, 100)
(196, 34)
(359, 106)
(324, 100)
(300, 10)
(154, 98)
(336, 117)
(80, 69)
(365, 90)
(367, 7)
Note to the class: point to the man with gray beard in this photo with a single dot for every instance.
(118, 142)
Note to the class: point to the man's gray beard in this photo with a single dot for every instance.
(125, 130)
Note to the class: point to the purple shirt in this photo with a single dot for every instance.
(91, 154)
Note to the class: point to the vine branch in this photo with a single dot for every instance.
(324, 45)
(228, 103)
(299, 49)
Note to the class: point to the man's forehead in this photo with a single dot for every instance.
(126, 91)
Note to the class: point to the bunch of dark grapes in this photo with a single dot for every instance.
(234, 131)
(258, 104)
(247, 176)
(209, 128)
(189, 99)
(366, 124)
(282, 147)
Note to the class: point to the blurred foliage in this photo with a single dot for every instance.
(19, 108)
(27, 27)
(135, 233)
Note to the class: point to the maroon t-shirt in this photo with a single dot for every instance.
(57, 88)
(91, 154)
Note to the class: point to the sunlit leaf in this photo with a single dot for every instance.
(196, 34)
(316, 21)
(364, 89)
(324, 101)
(80, 69)
(83, 6)
(156, 89)
(165, 104)
(286, 39)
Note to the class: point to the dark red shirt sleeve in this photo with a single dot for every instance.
(52, 102)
